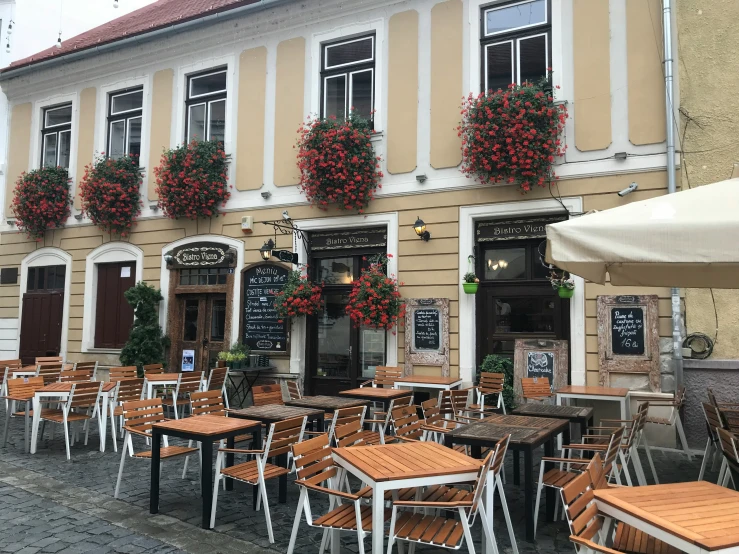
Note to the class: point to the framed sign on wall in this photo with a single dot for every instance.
(427, 334)
(262, 330)
(540, 358)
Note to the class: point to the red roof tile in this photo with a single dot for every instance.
(161, 13)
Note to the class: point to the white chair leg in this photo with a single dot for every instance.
(66, 438)
(507, 515)
(683, 439)
(724, 468)
(391, 536)
(113, 435)
(649, 457)
(488, 528)
(539, 487)
(7, 424)
(266, 514)
(215, 491)
(625, 467)
(296, 522)
(120, 470)
(187, 459)
(360, 533)
(467, 533)
(706, 454)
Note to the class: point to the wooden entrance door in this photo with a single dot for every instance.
(202, 329)
(43, 311)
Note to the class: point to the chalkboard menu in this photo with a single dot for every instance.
(627, 331)
(262, 330)
(427, 329)
(540, 364)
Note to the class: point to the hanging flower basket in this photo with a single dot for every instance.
(41, 200)
(192, 180)
(470, 282)
(513, 135)
(565, 292)
(375, 300)
(562, 283)
(298, 297)
(110, 193)
(338, 166)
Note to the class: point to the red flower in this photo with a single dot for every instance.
(375, 299)
(298, 297)
(41, 200)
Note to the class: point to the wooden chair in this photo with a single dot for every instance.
(282, 436)
(49, 359)
(713, 444)
(126, 390)
(7, 367)
(119, 373)
(440, 531)
(75, 376)
(50, 371)
(586, 523)
(566, 469)
(408, 427)
(153, 369)
(438, 423)
(673, 420)
(91, 366)
(317, 473)
(382, 422)
(138, 418)
(187, 383)
(352, 416)
(293, 390)
(490, 384)
(385, 377)
(217, 381)
(730, 449)
(20, 391)
(267, 394)
(82, 396)
(536, 388)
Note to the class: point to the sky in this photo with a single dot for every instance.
(37, 22)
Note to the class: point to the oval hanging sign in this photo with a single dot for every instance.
(200, 254)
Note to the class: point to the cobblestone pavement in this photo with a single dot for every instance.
(49, 504)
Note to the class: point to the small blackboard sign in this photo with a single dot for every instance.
(627, 331)
(262, 330)
(540, 364)
(427, 329)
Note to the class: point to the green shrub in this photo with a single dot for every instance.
(493, 363)
(146, 342)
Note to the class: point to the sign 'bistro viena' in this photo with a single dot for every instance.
(341, 240)
(200, 254)
(489, 231)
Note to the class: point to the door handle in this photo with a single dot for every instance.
(205, 341)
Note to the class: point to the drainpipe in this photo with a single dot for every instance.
(677, 338)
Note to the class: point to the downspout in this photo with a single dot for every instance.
(677, 339)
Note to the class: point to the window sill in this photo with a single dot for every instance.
(103, 351)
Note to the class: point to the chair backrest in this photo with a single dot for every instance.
(535, 387)
(189, 382)
(344, 416)
(313, 460)
(385, 377)
(267, 394)
(128, 390)
(293, 390)
(614, 444)
(91, 366)
(637, 425)
(491, 383)
(406, 423)
(501, 448)
(711, 397)
(8, 366)
(731, 419)
(713, 419)
(85, 394)
(49, 359)
(209, 402)
(432, 411)
(217, 378)
(578, 499)
(119, 373)
(75, 375)
(349, 434)
(49, 371)
(24, 387)
(728, 442)
(283, 435)
(479, 485)
(140, 415)
(153, 369)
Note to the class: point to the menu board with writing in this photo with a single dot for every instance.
(262, 329)
(540, 364)
(627, 331)
(541, 358)
(427, 329)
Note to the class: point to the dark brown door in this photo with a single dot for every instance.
(113, 315)
(203, 329)
(43, 312)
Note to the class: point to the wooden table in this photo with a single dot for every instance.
(160, 380)
(390, 467)
(376, 394)
(610, 394)
(574, 414)
(327, 403)
(428, 382)
(206, 429)
(272, 413)
(696, 517)
(527, 433)
(61, 391)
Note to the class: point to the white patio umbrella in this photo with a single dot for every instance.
(687, 239)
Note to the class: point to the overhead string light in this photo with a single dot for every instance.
(10, 27)
(115, 3)
(7, 44)
(59, 40)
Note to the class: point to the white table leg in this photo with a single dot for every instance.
(378, 517)
(26, 422)
(103, 422)
(488, 499)
(624, 411)
(148, 390)
(36, 419)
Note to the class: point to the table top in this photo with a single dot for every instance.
(524, 430)
(329, 403)
(390, 462)
(551, 410)
(373, 393)
(593, 391)
(429, 380)
(275, 412)
(67, 386)
(206, 425)
(698, 512)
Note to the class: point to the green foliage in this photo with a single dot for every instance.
(146, 342)
(238, 353)
(500, 364)
(470, 277)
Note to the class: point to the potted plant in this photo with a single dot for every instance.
(375, 299)
(471, 282)
(239, 355)
(226, 357)
(562, 283)
(41, 200)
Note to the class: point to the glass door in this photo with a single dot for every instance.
(203, 331)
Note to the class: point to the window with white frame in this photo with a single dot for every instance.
(206, 105)
(348, 77)
(124, 123)
(516, 38)
(56, 136)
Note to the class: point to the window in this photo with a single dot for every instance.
(114, 315)
(56, 136)
(206, 106)
(46, 278)
(348, 78)
(204, 276)
(124, 123)
(515, 43)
